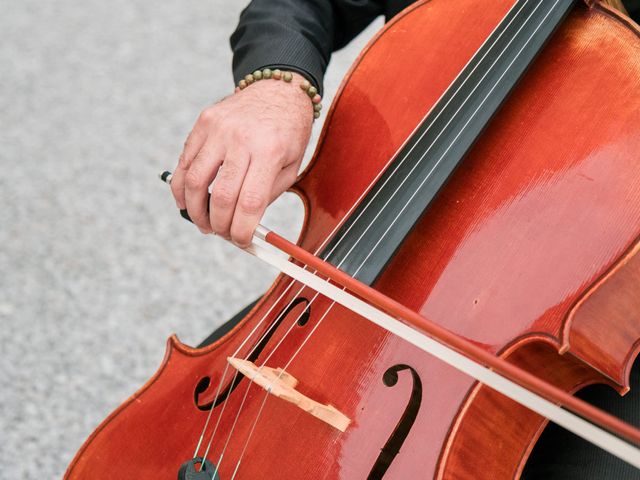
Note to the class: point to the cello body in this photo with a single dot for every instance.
(531, 250)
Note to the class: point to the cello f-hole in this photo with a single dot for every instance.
(392, 447)
(202, 386)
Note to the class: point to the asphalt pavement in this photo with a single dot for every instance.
(96, 268)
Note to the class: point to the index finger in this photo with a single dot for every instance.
(254, 198)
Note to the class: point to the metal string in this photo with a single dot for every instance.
(358, 240)
(372, 199)
(406, 156)
(246, 393)
(391, 197)
(392, 223)
(226, 369)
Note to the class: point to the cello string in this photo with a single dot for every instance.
(594, 425)
(226, 369)
(264, 362)
(413, 195)
(431, 171)
(246, 444)
(521, 5)
(246, 393)
(437, 163)
(406, 205)
(264, 335)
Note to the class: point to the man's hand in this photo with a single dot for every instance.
(248, 145)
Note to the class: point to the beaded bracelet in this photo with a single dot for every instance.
(267, 73)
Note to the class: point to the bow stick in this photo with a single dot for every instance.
(579, 417)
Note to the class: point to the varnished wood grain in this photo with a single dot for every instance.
(546, 203)
(613, 301)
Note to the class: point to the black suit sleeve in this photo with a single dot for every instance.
(633, 7)
(300, 35)
(297, 35)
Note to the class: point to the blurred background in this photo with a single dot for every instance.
(96, 267)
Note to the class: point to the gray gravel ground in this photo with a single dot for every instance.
(96, 268)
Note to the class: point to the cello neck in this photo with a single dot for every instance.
(378, 225)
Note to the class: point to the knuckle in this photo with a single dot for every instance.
(252, 203)
(229, 171)
(274, 150)
(182, 161)
(200, 157)
(194, 180)
(208, 116)
(222, 197)
(237, 133)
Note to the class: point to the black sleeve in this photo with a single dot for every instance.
(297, 35)
(300, 35)
(633, 7)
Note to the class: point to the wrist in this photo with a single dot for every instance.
(296, 81)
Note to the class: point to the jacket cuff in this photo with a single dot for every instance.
(290, 52)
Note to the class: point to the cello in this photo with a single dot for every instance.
(528, 251)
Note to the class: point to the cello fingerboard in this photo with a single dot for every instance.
(370, 236)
